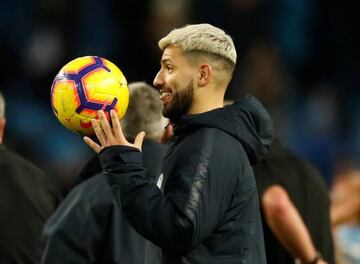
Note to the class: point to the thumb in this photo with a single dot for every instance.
(139, 140)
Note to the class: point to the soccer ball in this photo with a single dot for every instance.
(83, 87)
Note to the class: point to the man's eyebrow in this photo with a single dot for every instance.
(164, 61)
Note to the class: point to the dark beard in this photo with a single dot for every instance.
(180, 103)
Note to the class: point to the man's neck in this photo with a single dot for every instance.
(198, 109)
(205, 103)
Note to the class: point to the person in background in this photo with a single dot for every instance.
(345, 213)
(144, 114)
(89, 226)
(295, 208)
(27, 199)
(205, 206)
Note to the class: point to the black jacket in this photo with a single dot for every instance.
(207, 209)
(89, 226)
(27, 199)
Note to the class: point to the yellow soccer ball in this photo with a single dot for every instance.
(83, 87)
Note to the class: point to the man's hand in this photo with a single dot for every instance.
(108, 136)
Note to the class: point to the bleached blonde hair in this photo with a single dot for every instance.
(202, 38)
(2, 106)
(144, 112)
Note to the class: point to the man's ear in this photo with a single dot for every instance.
(205, 74)
(2, 128)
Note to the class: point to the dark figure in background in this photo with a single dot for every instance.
(295, 208)
(89, 226)
(206, 209)
(27, 199)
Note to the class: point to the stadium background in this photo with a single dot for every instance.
(300, 57)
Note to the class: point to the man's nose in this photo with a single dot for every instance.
(158, 81)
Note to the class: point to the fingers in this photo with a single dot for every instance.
(116, 126)
(139, 140)
(98, 132)
(111, 136)
(92, 144)
(105, 125)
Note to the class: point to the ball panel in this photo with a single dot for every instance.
(100, 86)
(76, 65)
(65, 99)
(82, 124)
(115, 71)
(122, 106)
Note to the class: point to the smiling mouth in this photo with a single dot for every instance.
(165, 95)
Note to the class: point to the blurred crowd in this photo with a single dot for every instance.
(300, 58)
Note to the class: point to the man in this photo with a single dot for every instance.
(295, 205)
(89, 226)
(206, 209)
(27, 198)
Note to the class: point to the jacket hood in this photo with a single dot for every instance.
(246, 120)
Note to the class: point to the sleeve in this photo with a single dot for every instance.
(74, 233)
(195, 200)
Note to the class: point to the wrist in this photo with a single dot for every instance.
(314, 260)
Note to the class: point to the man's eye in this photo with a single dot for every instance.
(169, 68)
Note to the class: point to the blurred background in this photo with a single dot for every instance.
(301, 58)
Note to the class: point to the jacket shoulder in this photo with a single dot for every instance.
(30, 180)
(12, 161)
(211, 145)
(88, 204)
(219, 139)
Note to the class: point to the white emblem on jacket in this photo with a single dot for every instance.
(160, 181)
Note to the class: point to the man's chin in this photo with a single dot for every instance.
(165, 113)
(169, 114)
